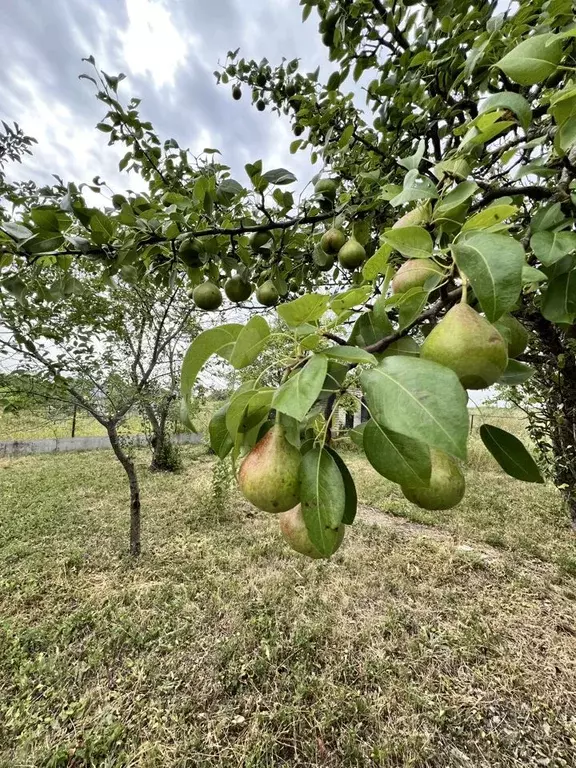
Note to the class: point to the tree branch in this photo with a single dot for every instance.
(535, 192)
(428, 314)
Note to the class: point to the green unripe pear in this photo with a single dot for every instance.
(414, 273)
(326, 187)
(446, 487)
(293, 529)
(298, 129)
(266, 294)
(260, 105)
(207, 296)
(261, 79)
(259, 240)
(332, 241)
(468, 344)
(236, 93)
(237, 289)
(189, 251)
(514, 333)
(269, 475)
(351, 255)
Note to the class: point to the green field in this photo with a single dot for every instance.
(430, 639)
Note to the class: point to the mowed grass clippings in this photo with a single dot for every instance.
(221, 647)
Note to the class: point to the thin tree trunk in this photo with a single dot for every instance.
(130, 470)
(162, 449)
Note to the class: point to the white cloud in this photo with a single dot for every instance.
(152, 44)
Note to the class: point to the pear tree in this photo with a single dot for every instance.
(431, 256)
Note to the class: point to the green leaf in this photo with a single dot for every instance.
(335, 375)
(454, 199)
(516, 373)
(349, 355)
(295, 146)
(371, 326)
(45, 219)
(17, 231)
(419, 399)
(533, 60)
(510, 454)
(184, 415)
(547, 217)
(489, 217)
(357, 435)
(220, 440)
(511, 101)
(215, 341)
(350, 495)
(102, 228)
(248, 409)
(493, 264)
(376, 265)
(415, 187)
(550, 247)
(559, 299)
(279, 176)
(346, 136)
(322, 498)
(298, 394)
(532, 275)
(250, 342)
(411, 242)
(410, 305)
(413, 161)
(306, 309)
(396, 457)
(353, 298)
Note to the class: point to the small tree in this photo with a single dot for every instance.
(108, 349)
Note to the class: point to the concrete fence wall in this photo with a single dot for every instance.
(67, 444)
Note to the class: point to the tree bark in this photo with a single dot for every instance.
(552, 423)
(163, 451)
(130, 469)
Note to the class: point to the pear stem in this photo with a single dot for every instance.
(464, 299)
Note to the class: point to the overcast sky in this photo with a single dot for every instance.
(168, 49)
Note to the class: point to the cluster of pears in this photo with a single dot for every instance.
(270, 479)
(351, 254)
(478, 353)
(208, 296)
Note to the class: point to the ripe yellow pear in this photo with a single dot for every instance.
(468, 344)
(414, 273)
(269, 475)
(293, 529)
(514, 333)
(446, 487)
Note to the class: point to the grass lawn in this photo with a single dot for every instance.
(449, 646)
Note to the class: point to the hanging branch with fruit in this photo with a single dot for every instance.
(439, 230)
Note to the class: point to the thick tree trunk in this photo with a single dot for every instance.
(130, 469)
(552, 422)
